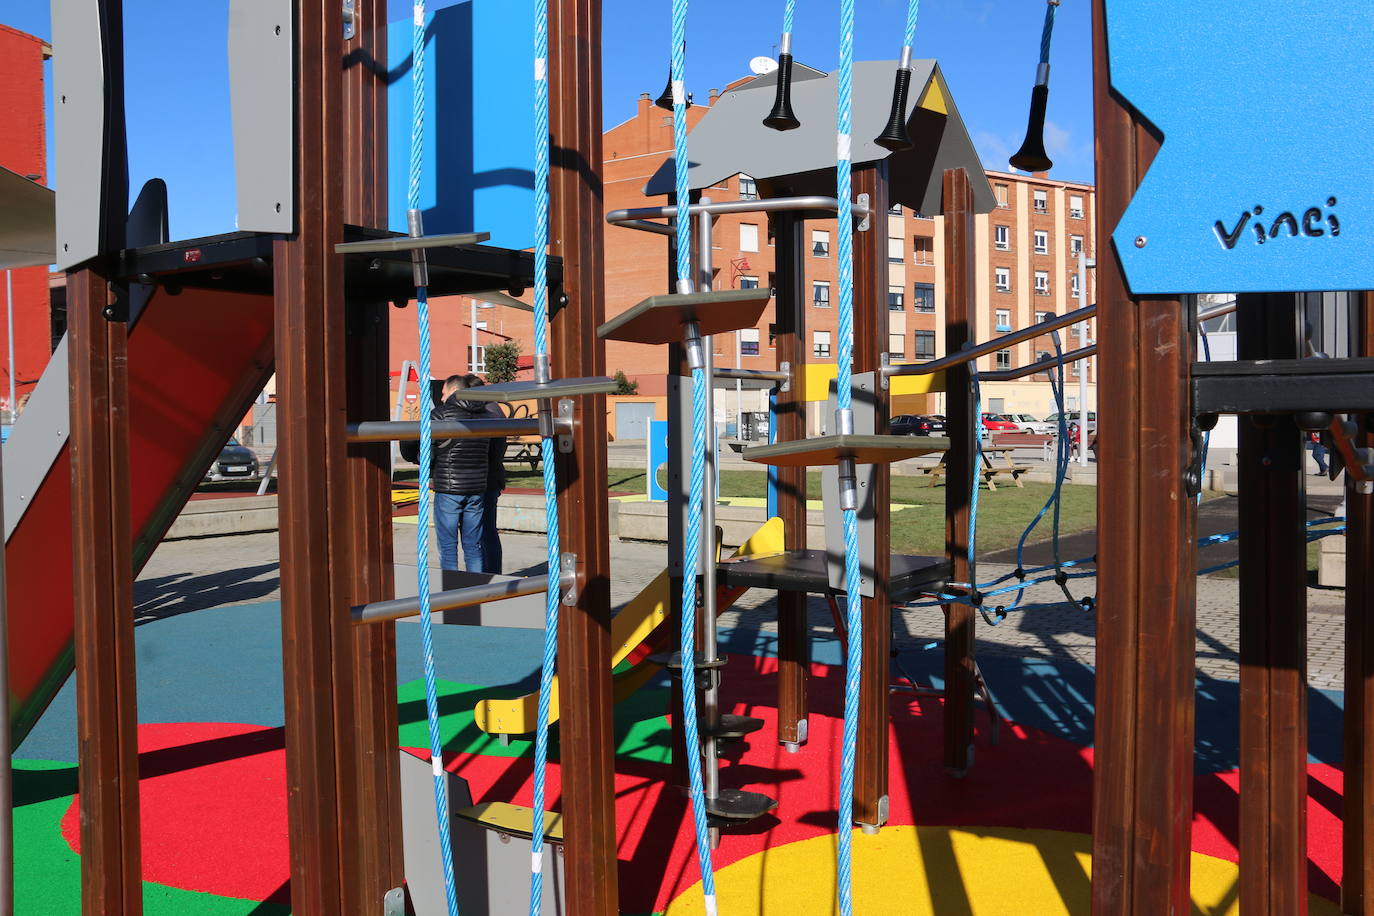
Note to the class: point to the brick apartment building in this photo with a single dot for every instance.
(23, 150)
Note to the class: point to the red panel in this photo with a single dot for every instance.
(194, 360)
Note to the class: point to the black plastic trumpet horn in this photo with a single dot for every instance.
(894, 136)
(1031, 157)
(665, 98)
(781, 117)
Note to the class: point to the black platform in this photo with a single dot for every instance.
(1275, 386)
(242, 262)
(805, 571)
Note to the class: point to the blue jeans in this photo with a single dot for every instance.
(459, 517)
(491, 538)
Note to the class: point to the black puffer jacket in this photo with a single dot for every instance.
(460, 465)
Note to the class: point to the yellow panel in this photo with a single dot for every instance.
(820, 375)
(513, 819)
(934, 97)
(634, 624)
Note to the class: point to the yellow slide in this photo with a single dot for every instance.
(637, 622)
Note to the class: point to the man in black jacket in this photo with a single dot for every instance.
(459, 480)
(496, 482)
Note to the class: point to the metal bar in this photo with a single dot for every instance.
(399, 410)
(1041, 365)
(1357, 821)
(1273, 632)
(1218, 311)
(794, 634)
(870, 342)
(388, 430)
(997, 343)
(710, 699)
(413, 243)
(584, 650)
(961, 326)
(1143, 768)
(1082, 370)
(397, 608)
(267, 474)
(645, 225)
(634, 217)
(771, 375)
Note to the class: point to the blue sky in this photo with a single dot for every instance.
(178, 96)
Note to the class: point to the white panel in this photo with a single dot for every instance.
(78, 127)
(262, 101)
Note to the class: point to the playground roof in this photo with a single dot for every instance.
(28, 234)
(731, 138)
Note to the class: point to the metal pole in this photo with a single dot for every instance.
(9, 317)
(6, 776)
(709, 652)
(267, 474)
(472, 323)
(739, 388)
(1083, 364)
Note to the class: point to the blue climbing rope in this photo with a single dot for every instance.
(1047, 32)
(436, 747)
(553, 565)
(843, 384)
(789, 12)
(913, 8)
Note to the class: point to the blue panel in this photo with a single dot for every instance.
(658, 457)
(478, 166)
(1265, 108)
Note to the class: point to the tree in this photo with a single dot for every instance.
(623, 385)
(502, 360)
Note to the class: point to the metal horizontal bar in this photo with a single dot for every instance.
(992, 346)
(635, 218)
(645, 225)
(1354, 365)
(773, 375)
(1041, 365)
(390, 431)
(1280, 393)
(1217, 312)
(396, 608)
(411, 243)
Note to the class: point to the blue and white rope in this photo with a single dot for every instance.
(552, 538)
(436, 748)
(1046, 33)
(913, 9)
(789, 13)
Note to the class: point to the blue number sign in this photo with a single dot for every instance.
(1265, 180)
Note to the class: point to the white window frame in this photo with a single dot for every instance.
(1042, 241)
(920, 334)
(1073, 286)
(900, 292)
(749, 336)
(1001, 360)
(923, 255)
(999, 275)
(916, 299)
(1003, 194)
(820, 344)
(1075, 245)
(747, 281)
(894, 251)
(1040, 200)
(1042, 282)
(817, 286)
(749, 190)
(821, 238)
(748, 236)
(896, 345)
(1075, 206)
(1001, 319)
(1001, 238)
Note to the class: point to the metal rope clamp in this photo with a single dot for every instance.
(846, 467)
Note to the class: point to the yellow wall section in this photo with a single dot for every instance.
(820, 375)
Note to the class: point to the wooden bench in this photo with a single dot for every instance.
(989, 470)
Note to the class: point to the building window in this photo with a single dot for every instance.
(895, 209)
(749, 342)
(820, 346)
(747, 189)
(894, 251)
(820, 243)
(925, 344)
(1001, 191)
(919, 215)
(1001, 237)
(1003, 318)
(748, 237)
(1003, 359)
(1076, 244)
(1042, 317)
(748, 282)
(1042, 201)
(1042, 242)
(1073, 285)
(894, 299)
(480, 363)
(820, 294)
(922, 251)
(1075, 206)
(923, 296)
(1003, 277)
(1042, 282)
(896, 346)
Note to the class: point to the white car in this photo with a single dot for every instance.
(1028, 423)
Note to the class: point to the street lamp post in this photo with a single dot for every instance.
(1083, 265)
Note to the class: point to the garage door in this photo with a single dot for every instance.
(632, 420)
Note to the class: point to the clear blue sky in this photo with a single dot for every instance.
(178, 96)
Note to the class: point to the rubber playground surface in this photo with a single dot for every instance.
(1010, 837)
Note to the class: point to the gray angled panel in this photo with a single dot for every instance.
(863, 401)
(78, 128)
(420, 833)
(262, 101)
(37, 439)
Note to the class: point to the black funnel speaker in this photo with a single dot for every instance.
(665, 99)
(1031, 157)
(781, 117)
(894, 136)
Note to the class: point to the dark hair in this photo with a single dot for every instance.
(472, 381)
(456, 381)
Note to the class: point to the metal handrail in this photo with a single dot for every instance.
(640, 217)
(770, 375)
(991, 346)
(396, 608)
(391, 430)
(1217, 312)
(1040, 365)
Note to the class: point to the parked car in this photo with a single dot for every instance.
(997, 422)
(235, 462)
(1028, 423)
(1072, 417)
(916, 425)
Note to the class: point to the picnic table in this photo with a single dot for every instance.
(524, 450)
(990, 470)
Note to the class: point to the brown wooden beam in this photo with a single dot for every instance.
(961, 328)
(1143, 763)
(577, 225)
(106, 692)
(1273, 630)
(794, 638)
(1357, 873)
(870, 342)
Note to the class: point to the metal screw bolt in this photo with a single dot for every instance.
(1141, 241)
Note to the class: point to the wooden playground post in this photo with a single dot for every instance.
(1273, 629)
(106, 689)
(1143, 765)
(577, 236)
(794, 640)
(961, 424)
(1357, 875)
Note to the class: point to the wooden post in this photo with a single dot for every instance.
(1143, 764)
(794, 640)
(870, 342)
(584, 657)
(106, 692)
(1357, 874)
(962, 426)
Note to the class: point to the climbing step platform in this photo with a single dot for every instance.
(731, 727)
(736, 805)
(513, 820)
(412, 243)
(673, 661)
(828, 450)
(531, 390)
(660, 319)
